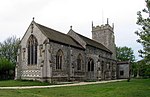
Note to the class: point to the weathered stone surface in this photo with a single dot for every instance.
(45, 70)
(104, 34)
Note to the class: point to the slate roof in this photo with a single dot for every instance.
(57, 36)
(93, 43)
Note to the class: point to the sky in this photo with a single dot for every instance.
(16, 15)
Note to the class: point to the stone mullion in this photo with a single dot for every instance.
(33, 54)
(30, 54)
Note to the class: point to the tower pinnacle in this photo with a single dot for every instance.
(107, 21)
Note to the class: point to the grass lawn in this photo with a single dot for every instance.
(134, 88)
(10, 83)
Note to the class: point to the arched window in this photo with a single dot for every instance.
(91, 65)
(32, 50)
(59, 59)
(79, 62)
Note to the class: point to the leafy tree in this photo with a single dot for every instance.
(143, 20)
(125, 54)
(8, 56)
(144, 31)
(8, 49)
(6, 68)
(143, 69)
(135, 69)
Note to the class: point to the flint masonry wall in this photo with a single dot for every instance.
(26, 71)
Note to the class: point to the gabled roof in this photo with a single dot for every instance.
(59, 37)
(93, 43)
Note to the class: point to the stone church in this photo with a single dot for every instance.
(46, 54)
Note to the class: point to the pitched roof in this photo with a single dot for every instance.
(57, 36)
(93, 43)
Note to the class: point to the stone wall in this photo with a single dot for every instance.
(23, 69)
(104, 34)
(123, 70)
(45, 69)
(69, 68)
(104, 66)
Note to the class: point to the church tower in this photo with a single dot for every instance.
(104, 34)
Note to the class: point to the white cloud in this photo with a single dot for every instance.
(16, 15)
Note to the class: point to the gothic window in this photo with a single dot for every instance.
(32, 50)
(91, 65)
(79, 62)
(59, 59)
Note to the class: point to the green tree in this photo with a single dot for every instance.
(6, 69)
(125, 54)
(143, 21)
(8, 49)
(143, 68)
(8, 56)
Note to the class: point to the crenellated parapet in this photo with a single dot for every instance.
(103, 27)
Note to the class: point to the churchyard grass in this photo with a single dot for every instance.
(12, 83)
(134, 88)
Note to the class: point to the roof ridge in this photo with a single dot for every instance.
(59, 37)
(54, 30)
(51, 28)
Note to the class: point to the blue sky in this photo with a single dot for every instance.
(16, 16)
